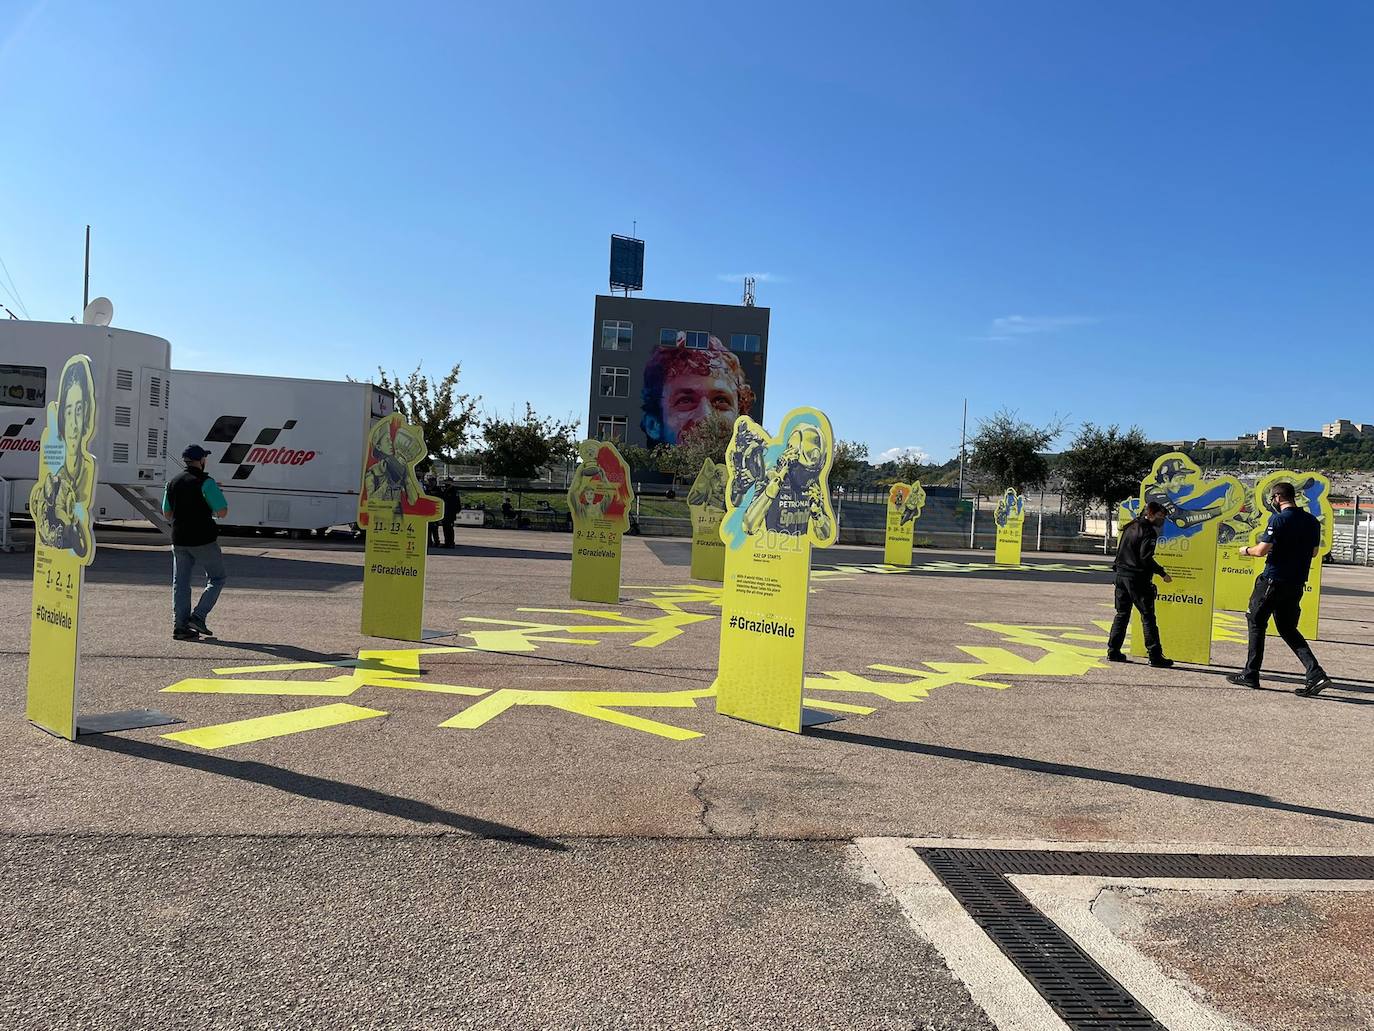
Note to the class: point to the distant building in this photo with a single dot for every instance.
(1344, 427)
(1276, 436)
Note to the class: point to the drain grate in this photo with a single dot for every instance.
(1083, 994)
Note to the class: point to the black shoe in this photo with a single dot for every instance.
(1241, 680)
(1315, 688)
(1116, 657)
(1160, 662)
(185, 633)
(197, 623)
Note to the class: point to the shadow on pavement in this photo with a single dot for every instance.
(260, 572)
(483, 551)
(1337, 683)
(319, 788)
(1162, 785)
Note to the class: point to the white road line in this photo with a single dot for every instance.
(994, 982)
(991, 979)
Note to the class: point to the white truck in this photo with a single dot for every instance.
(287, 452)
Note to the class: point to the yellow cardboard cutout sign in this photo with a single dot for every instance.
(1010, 517)
(395, 512)
(1195, 508)
(706, 502)
(60, 504)
(904, 504)
(777, 507)
(599, 498)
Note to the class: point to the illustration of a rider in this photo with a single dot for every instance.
(1186, 505)
(790, 495)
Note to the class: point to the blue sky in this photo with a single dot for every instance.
(1155, 213)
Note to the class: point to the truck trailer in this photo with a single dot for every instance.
(287, 452)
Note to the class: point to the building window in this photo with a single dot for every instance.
(611, 427)
(23, 386)
(616, 336)
(745, 343)
(694, 339)
(615, 382)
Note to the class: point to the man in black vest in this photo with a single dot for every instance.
(453, 504)
(1136, 568)
(1289, 544)
(192, 501)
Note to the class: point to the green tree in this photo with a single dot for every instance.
(707, 439)
(1104, 466)
(445, 417)
(849, 457)
(518, 447)
(1007, 451)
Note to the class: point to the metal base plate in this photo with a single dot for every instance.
(815, 717)
(434, 635)
(130, 719)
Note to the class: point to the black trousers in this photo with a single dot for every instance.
(1140, 595)
(1282, 603)
(448, 533)
(434, 534)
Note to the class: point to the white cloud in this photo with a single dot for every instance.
(762, 277)
(1013, 327)
(911, 453)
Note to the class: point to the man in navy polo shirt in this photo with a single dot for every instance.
(1289, 544)
(192, 501)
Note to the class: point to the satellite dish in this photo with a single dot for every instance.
(98, 313)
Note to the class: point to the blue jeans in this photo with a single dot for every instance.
(184, 560)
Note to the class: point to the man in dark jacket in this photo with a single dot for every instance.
(1136, 568)
(192, 501)
(432, 489)
(453, 504)
(1289, 544)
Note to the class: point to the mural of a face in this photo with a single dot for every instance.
(687, 387)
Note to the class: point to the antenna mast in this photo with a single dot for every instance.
(748, 291)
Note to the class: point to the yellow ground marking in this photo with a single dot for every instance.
(601, 705)
(1226, 626)
(1062, 658)
(522, 636)
(1063, 651)
(240, 732)
(306, 688)
(425, 685)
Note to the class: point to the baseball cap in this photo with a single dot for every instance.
(195, 453)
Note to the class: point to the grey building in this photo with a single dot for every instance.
(658, 367)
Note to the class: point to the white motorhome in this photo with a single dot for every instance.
(287, 452)
(130, 371)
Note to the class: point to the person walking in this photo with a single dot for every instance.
(432, 489)
(1135, 568)
(192, 501)
(453, 503)
(1289, 544)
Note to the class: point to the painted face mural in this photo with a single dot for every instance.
(685, 388)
